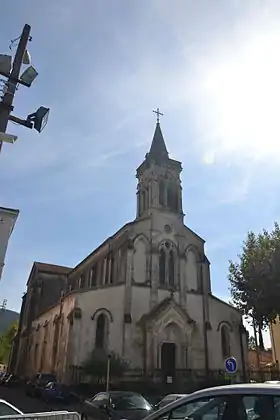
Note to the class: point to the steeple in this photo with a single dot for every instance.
(159, 184)
(158, 151)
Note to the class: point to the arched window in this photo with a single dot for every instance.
(171, 268)
(172, 197)
(161, 193)
(107, 270)
(162, 265)
(93, 277)
(167, 265)
(225, 340)
(100, 332)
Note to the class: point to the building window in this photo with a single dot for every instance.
(93, 277)
(225, 340)
(167, 265)
(172, 197)
(109, 267)
(82, 282)
(100, 332)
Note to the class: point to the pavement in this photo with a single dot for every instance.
(17, 397)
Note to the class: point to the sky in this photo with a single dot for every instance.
(213, 69)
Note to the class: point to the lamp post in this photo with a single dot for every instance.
(35, 120)
(6, 106)
(108, 372)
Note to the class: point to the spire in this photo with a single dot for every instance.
(158, 150)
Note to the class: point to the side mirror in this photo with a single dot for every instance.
(103, 407)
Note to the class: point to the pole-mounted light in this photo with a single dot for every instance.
(11, 70)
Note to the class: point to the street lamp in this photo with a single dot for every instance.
(11, 70)
(37, 120)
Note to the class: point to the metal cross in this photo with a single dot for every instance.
(158, 114)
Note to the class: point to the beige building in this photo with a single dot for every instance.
(145, 293)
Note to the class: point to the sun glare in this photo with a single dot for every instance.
(238, 99)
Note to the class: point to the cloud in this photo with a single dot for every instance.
(235, 92)
(236, 192)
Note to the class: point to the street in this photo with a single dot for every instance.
(17, 397)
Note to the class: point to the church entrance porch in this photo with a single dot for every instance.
(168, 359)
(168, 332)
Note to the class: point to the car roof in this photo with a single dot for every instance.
(119, 393)
(175, 395)
(236, 389)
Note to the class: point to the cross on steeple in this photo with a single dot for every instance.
(158, 114)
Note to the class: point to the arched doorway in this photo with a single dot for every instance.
(168, 359)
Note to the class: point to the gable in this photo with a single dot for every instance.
(168, 309)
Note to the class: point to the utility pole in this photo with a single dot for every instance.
(6, 106)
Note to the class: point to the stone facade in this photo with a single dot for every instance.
(145, 293)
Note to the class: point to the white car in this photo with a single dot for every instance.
(7, 409)
(169, 399)
(230, 402)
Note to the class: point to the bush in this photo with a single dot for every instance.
(96, 364)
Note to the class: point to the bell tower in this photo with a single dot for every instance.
(159, 183)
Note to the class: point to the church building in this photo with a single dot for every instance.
(144, 293)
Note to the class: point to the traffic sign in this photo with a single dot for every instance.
(230, 365)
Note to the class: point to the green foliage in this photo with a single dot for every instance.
(6, 342)
(255, 278)
(252, 343)
(96, 364)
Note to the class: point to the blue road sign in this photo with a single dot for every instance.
(230, 365)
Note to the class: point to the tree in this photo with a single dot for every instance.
(255, 278)
(251, 343)
(6, 342)
(96, 364)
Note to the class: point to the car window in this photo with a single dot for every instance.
(237, 407)
(100, 399)
(6, 410)
(130, 402)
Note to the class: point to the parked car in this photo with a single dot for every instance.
(168, 399)
(7, 409)
(35, 386)
(3, 377)
(55, 392)
(230, 402)
(13, 380)
(116, 405)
